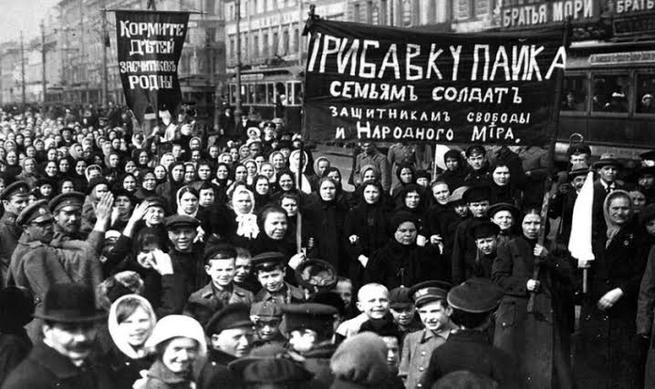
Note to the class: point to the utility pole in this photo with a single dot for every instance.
(105, 76)
(22, 68)
(82, 63)
(43, 55)
(300, 28)
(237, 110)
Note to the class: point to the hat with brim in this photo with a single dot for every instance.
(503, 207)
(269, 363)
(429, 291)
(646, 171)
(477, 193)
(579, 169)
(607, 162)
(475, 295)
(70, 303)
(71, 199)
(36, 212)
(17, 188)
(648, 155)
(315, 274)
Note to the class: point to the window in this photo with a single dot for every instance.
(610, 93)
(260, 94)
(645, 93)
(356, 11)
(574, 94)
(255, 46)
(265, 45)
(285, 41)
(210, 7)
(275, 43)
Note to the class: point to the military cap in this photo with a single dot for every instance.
(71, 199)
(475, 295)
(648, 155)
(477, 193)
(176, 221)
(155, 201)
(267, 259)
(220, 251)
(457, 195)
(265, 310)
(311, 316)
(503, 207)
(646, 171)
(428, 291)
(19, 188)
(316, 275)
(579, 148)
(609, 161)
(35, 212)
(485, 230)
(400, 298)
(579, 169)
(269, 364)
(232, 316)
(475, 149)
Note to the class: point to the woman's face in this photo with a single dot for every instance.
(206, 197)
(12, 158)
(160, 172)
(51, 155)
(285, 182)
(113, 160)
(167, 160)
(619, 210)
(149, 182)
(234, 152)
(440, 192)
(371, 194)
(129, 184)
(500, 175)
(225, 158)
(406, 175)
(189, 203)
(278, 161)
(328, 191)
(204, 172)
(177, 173)
(503, 219)
(51, 168)
(130, 167)
(452, 164)
(267, 170)
(638, 200)
(531, 225)
(123, 204)
(46, 190)
(260, 160)
(275, 225)
(143, 158)
(67, 187)
(30, 151)
(213, 152)
(189, 173)
(252, 168)
(180, 354)
(262, 186)
(80, 166)
(241, 173)
(290, 206)
(244, 152)
(369, 175)
(195, 155)
(335, 176)
(412, 200)
(222, 173)
(242, 202)
(405, 233)
(28, 165)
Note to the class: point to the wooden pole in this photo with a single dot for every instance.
(299, 186)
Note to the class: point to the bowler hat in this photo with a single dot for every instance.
(607, 162)
(579, 169)
(475, 295)
(70, 303)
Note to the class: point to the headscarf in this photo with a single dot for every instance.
(180, 193)
(613, 228)
(246, 222)
(113, 325)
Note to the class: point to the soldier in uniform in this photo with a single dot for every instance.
(14, 199)
(311, 329)
(230, 335)
(430, 301)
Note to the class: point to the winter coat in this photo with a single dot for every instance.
(645, 317)
(371, 225)
(327, 220)
(215, 373)
(9, 234)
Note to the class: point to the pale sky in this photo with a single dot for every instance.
(26, 15)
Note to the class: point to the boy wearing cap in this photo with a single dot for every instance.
(486, 240)
(267, 317)
(230, 335)
(468, 347)
(14, 199)
(478, 167)
(402, 309)
(430, 301)
(182, 231)
(220, 291)
(270, 270)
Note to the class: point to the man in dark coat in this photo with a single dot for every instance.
(468, 347)
(62, 360)
(14, 199)
(608, 171)
(561, 205)
(187, 257)
(230, 336)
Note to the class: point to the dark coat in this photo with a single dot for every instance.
(645, 317)
(159, 377)
(317, 361)
(124, 369)
(395, 265)
(537, 338)
(45, 368)
(605, 352)
(215, 373)
(327, 220)
(371, 224)
(14, 347)
(9, 235)
(469, 350)
(463, 259)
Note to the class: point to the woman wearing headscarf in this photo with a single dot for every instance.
(366, 228)
(606, 355)
(147, 187)
(28, 173)
(502, 186)
(12, 166)
(274, 233)
(406, 176)
(455, 172)
(128, 182)
(175, 180)
(142, 159)
(243, 205)
(411, 202)
(540, 337)
(262, 191)
(344, 197)
(131, 322)
(222, 182)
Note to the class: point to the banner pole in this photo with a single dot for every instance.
(434, 164)
(299, 186)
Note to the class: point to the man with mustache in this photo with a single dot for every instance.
(62, 359)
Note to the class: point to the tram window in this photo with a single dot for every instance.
(233, 94)
(645, 93)
(574, 94)
(260, 93)
(610, 93)
(297, 93)
(270, 89)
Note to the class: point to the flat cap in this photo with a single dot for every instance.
(176, 221)
(267, 259)
(477, 193)
(220, 251)
(18, 188)
(475, 295)
(155, 201)
(485, 229)
(232, 316)
(400, 298)
(71, 199)
(316, 275)
(503, 207)
(428, 291)
(311, 316)
(35, 212)
(580, 148)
